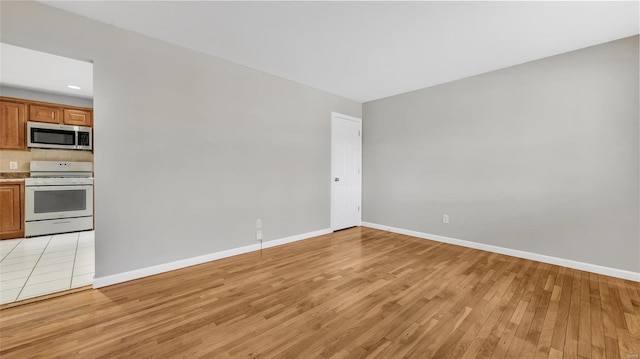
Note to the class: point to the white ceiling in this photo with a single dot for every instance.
(35, 70)
(369, 50)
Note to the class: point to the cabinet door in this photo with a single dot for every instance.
(77, 117)
(11, 210)
(41, 113)
(13, 126)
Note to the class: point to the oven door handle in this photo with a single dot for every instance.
(59, 188)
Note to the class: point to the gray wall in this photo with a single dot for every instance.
(11, 91)
(190, 149)
(541, 157)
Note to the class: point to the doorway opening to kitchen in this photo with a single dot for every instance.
(47, 238)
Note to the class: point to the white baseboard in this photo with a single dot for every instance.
(594, 268)
(100, 282)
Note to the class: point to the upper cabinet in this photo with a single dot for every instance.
(42, 113)
(77, 117)
(13, 125)
(62, 114)
(16, 112)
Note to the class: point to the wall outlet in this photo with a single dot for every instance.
(258, 235)
(445, 218)
(13, 165)
(259, 223)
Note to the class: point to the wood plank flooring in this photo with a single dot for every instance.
(351, 294)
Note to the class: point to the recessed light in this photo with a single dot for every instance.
(73, 87)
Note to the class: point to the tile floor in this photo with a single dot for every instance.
(30, 267)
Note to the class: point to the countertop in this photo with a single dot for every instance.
(13, 176)
(11, 180)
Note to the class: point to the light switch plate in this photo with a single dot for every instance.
(13, 165)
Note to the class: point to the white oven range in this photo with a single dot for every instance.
(58, 198)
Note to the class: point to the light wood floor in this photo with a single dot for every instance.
(355, 293)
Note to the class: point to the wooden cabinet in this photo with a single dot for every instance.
(13, 126)
(48, 112)
(42, 113)
(11, 209)
(66, 116)
(77, 117)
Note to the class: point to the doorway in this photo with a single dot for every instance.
(346, 171)
(38, 261)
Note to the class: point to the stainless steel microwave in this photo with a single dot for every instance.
(47, 135)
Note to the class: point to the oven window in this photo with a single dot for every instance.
(52, 137)
(60, 201)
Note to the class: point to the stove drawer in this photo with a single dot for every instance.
(53, 226)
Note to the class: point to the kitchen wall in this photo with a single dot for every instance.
(541, 157)
(10, 91)
(192, 149)
(25, 157)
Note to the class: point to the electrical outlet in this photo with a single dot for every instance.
(13, 165)
(259, 223)
(258, 235)
(445, 218)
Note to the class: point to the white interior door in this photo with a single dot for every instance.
(346, 172)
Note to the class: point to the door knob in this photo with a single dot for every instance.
(336, 179)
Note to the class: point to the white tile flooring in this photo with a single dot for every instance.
(30, 267)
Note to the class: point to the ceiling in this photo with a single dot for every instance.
(370, 50)
(35, 70)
